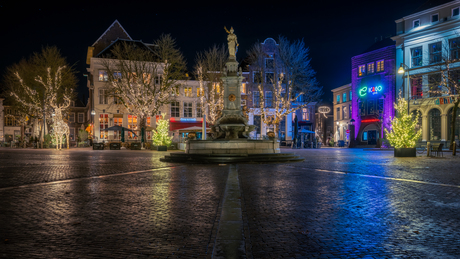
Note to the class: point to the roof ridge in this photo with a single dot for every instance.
(111, 26)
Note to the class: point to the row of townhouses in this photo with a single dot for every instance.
(410, 64)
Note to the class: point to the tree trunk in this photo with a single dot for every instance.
(452, 135)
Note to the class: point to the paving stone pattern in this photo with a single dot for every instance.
(338, 203)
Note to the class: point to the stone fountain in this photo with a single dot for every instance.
(230, 134)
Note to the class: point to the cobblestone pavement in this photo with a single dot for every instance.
(338, 203)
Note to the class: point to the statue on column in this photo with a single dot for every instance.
(232, 42)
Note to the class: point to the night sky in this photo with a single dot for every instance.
(335, 31)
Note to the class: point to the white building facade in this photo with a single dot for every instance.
(424, 39)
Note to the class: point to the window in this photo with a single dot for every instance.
(269, 63)
(103, 76)
(198, 110)
(344, 97)
(103, 124)
(117, 121)
(416, 55)
(370, 68)
(338, 98)
(434, 83)
(148, 121)
(269, 77)
(434, 124)
(455, 11)
(72, 134)
(344, 112)
(158, 80)
(416, 23)
(457, 124)
(116, 75)
(370, 107)
(361, 70)
(81, 117)
(132, 125)
(365, 136)
(9, 121)
(188, 110)
(351, 96)
(454, 48)
(454, 81)
(434, 17)
(416, 87)
(199, 91)
(71, 117)
(188, 91)
(380, 66)
(268, 99)
(103, 96)
(338, 113)
(305, 114)
(243, 88)
(175, 91)
(175, 109)
(362, 111)
(256, 100)
(349, 111)
(257, 77)
(435, 52)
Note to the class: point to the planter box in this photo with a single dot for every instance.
(162, 148)
(136, 146)
(114, 146)
(98, 146)
(405, 152)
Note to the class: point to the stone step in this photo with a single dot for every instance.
(221, 158)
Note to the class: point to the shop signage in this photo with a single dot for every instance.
(370, 120)
(348, 131)
(444, 100)
(373, 90)
(324, 109)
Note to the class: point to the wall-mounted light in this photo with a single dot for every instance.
(93, 112)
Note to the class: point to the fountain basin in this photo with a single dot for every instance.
(236, 146)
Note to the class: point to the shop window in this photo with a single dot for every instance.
(365, 136)
(175, 109)
(103, 124)
(434, 124)
(132, 125)
(117, 121)
(416, 56)
(435, 52)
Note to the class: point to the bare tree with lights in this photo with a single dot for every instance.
(209, 68)
(292, 77)
(37, 85)
(142, 78)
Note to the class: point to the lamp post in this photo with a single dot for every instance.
(402, 69)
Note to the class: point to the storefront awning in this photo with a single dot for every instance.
(182, 125)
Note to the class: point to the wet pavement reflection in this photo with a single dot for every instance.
(338, 203)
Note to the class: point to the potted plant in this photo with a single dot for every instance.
(403, 135)
(161, 136)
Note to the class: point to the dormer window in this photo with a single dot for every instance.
(416, 23)
(455, 11)
(434, 17)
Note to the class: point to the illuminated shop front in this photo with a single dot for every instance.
(373, 82)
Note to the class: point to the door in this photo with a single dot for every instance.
(372, 137)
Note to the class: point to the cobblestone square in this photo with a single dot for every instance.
(338, 203)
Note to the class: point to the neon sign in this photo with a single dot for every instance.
(370, 120)
(371, 90)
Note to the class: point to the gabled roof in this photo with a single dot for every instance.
(114, 32)
(106, 53)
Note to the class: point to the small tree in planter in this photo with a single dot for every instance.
(403, 135)
(161, 136)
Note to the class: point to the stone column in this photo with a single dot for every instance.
(443, 127)
(424, 128)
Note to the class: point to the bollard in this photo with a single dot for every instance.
(428, 148)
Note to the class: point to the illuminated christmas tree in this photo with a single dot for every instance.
(161, 134)
(403, 133)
